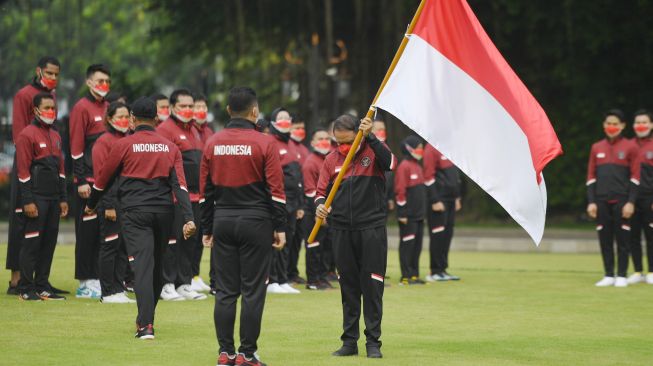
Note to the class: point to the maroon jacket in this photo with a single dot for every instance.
(86, 126)
(150, 169)
(293, 181)
(205, 131)
(613, 171)
(311, 172)
(302, 151)
(40, 164)
(646, 167)
(189, 141)
(101, 150)
(410, 191)
(241, 175)
(23, 109)
(441, 176)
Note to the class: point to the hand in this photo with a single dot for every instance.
(84, 191)
(391, 205)
(591, 210)
(207, 241)
(279, 240)
(110, 214)
(438, 207)
(628, 210)
(189, 229)
(459, 204)
(403, 220)
(31, 210)
(322, 212)
(64, 209)
(89, 211)
(365, 126)
(300, 214)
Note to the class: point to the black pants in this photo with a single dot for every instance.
(146, 237)
(441, 226)
(611, 226)
(243, 252)
(315, 269)
(178, 268)
(642, 220)
(38, 245)
(361, 258)
(199, 248)
(280, 258)
(295, 248)
(87, 241)
(16, 223)
(410, 247)
(328, 260)
(113, 256)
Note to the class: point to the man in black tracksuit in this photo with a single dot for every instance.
(39, 161)
(357, 227)
(243, 218)
(150, 169)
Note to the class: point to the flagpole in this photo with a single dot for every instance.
(370, 114)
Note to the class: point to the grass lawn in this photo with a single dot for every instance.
(509, 309)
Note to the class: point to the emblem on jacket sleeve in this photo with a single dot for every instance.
(366, 161)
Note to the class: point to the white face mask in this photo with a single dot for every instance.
(642, 134)
(163, 117)
(47, 121)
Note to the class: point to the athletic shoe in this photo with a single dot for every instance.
(605, 282)
(226, 359)
(197, 284)
(621, 282)
(168, 293)
(189, 294)
(213, 291)
(274, 288)
(315, 286)
(649, 278)
(94, 284)
(374, 352)
(86, 292)
(241, 360)
(127, 299)
(346, 351)
(297, 280)
(416, 281)
(439, 277)
(451, 277)
(12, 290)
(47, 295)
(404, 282)
(114, 299)
(332, 276)
(327, 285)
(429, 278)
(289, 289)
(58, 291)
(129, 286)
(636, 278)
(146, 332)
(29, 296)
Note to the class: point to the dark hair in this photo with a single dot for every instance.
(114, 106)
(413, 141)
(346, 122)
(158, 97)
(615, 112)
(315, 131)
(199, 97)
(97, 68)
(297, 118)
(275, 113)
(113, 96)
(45, 60)
(174, 97)
(241, 99)
(36, 101)
(644, 112)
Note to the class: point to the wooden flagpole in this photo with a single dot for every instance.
(370, 114)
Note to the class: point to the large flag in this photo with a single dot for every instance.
(453, 87)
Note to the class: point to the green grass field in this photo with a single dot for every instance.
(509, 309)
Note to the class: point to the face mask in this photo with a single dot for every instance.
(298, 134)
(50, 84)
(121, 124)
(641, 130)
(101, 89)
(323, 146)
(380, 134)
(163, 114)
(611, 130)
(48, 117)
(416, 153)
(344, 148)
(283, 125)
(200, 117)
(185, 115)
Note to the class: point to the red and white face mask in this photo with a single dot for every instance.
(200, 116)
(416, 153)
(163, 113)
(283, 125)
(322, 146)
(381, 135)
(185, 115)
(50, 84)
(120, 124)
(298, 134)
(48, 117)
(101, 89)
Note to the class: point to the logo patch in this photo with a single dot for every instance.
(413, 176)
(42, 145)
(283, 152)
(621, 155)
(366, 161)
(600, 155)
(649, 154)
(98, 118)
(183, 137)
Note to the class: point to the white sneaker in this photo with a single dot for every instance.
(621, 282)
(168, 293)
(635, 278)
(274, 288)
(649, 278)
(124, 296)
(289, 289)
(114, 299)
(187, 292)
(605, 282)
(429, 278)
(94, 284)
(197, 284)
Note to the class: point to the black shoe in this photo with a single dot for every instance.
(146, 332)
(346, 351)
(29, 296)
(297, 280)
(314, 286)
(12, 290)
(374, 352)
(326, 285)
(57, 291)
(129, 286)
(332, 277)
(212, 291)
(47, 295)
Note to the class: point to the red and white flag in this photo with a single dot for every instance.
(453, 87)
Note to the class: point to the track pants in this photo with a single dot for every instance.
(146, 237)
(642, 220)
(295, 248)
(328, 260)
(37, 249)
(196, 260)
(279, 270)
(361, 258)
(16, 223)
(87, 241)
(611, 226)
(178, 267)
(315, 268)
(441, 225)
(410, 247)
(113, 256)
(242, 253)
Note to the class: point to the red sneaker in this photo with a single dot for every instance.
(241, 360)
(226, 359)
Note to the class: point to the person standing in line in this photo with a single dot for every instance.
(297, 136)
(162, 107)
